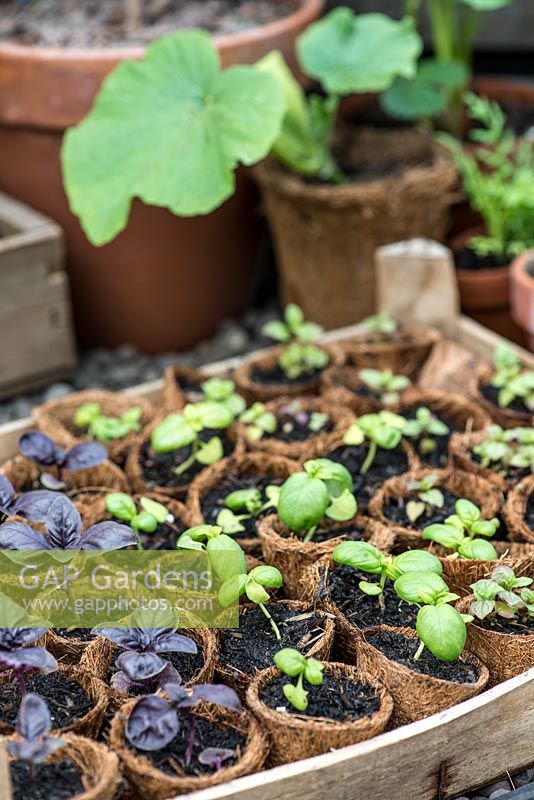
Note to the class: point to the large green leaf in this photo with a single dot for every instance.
(303, 501)
(365, 53)
(427, 94)
(443, 631)
(171, 130)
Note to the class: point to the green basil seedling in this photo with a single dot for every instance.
(503, 595)
(440, 627)
(381, 323)
(250, 503)
(300, 355)
(225, 555)
(258, 422)
(366, 557)
(460, 532)
(324, 488)
(107, 429)
(428, 497)
(502, 450)
(183, 430)
(253, 586)
(295, 665)
(382, 430)
(424, 428)
(123, 507)
(512, 382)
(219, 390)
(385, 384)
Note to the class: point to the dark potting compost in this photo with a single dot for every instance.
(66, 698)
(57, 781)
(339, 699)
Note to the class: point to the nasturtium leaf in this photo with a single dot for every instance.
(364, 53)
(303, 501)
(443, 631)
(171, 130)
(426, 94)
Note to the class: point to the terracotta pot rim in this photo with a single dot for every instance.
(483, 275)
(306, 11)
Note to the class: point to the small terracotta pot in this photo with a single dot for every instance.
(522, 294)
(151, 783)
(505, 654)
(255, 391)
(296, 736)
(405, 355)
(515, 509)
(98, 766)
(248, 464)
(340, 419)
(416, 696)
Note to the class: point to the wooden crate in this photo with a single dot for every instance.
(436, 758)
(35, 320)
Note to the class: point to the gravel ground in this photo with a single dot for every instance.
(118, 369)
(503, 787)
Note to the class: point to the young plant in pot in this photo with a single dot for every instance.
(176, 743)
(320, 169)
(426, 670)
(366, 390)
(315, 507)
(292, 368)
(157, 524)
(179, 447)
(519, 511)
(32, 506)
(502, 633)
(506, 389)
(311, 707)
(266, 626)
(496, 176)
(503, 456)
(372, 449)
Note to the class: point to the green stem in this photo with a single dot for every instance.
(310, 534)
(441, 15)
(371, 453)
(184, 466)
(419, 653)
(411, 10)
(273, 624)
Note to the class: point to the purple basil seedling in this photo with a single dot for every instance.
(32, 505)
(64, 532)
(33, 726)
(46, 453)
(155, 721)
(16, 658)
(141, 664)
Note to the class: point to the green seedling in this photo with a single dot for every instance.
(462, 530)
(300, 355)
(258, 422)
(503, 450)
(222, 391)
(424, 428)
(245, 504)
(253, 586)
(513, 382)
(225, 556)
(382, 430)
(503, 595)
(305, 668)
(428, 497)
(123, 506)
(107, 429)
(385, 384)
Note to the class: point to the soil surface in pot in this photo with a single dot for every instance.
(163, 538)
(512, 474)
(467, 259)
(171, 759)
(213, 502)
(501, 625)
(440, 455)
(59, 781)
(387, 463)
(71, 23)
(66, 698)
(491, 393)
(350, 533)
(253, 645)
(158, 468)
(337, 698)
(298, 426)
(401, 649)
(186, 664)
(84, 634)
(395, 510)
(277, 377)
(361, 609)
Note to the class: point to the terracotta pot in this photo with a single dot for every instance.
(522, 294)
(505, 90)
(485, 293)
(180, 264)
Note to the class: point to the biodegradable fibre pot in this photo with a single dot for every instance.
(24, 475)
(461, 447)
(179, 382)
(248, 465)
(253, 390)
(151, 783)
(340, 418)
(56, 418)
(326, 236)
(505, 654)
(92, 506)
(288, 553)
(66, 649)
(415, 695)
(134, 463)
(461, 484)
(99, 659)
(505, 417)
(98, 766)
(343, 386)
(515, 511)
(180, 264)
(319, 648)
(522, 294)
(464, 413)
(404, 353)
(89, 724)
(296, 736)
